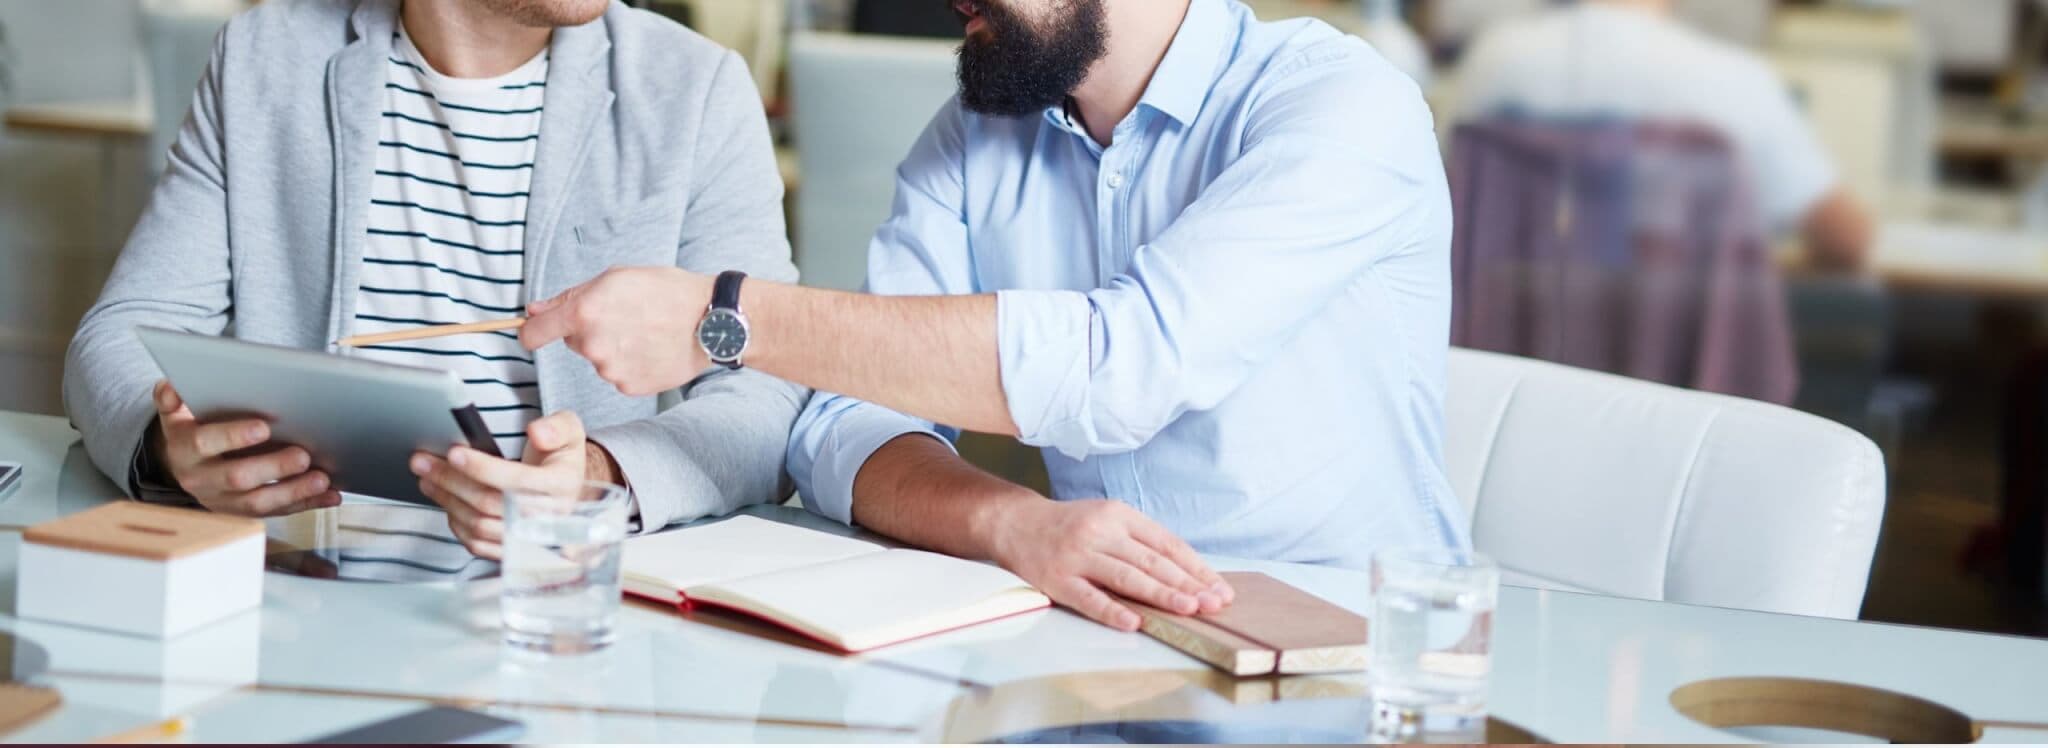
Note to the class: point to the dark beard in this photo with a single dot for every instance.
(1013, 69)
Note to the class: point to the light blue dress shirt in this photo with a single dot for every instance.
(1234, 318)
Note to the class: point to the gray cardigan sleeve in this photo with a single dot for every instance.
(721, 447)
(172, 273)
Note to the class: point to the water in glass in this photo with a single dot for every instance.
(561, 572)
(1431, 650)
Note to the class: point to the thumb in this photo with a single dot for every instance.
(167, 399)
(556, 432)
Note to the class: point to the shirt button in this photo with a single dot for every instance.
(1116, 181)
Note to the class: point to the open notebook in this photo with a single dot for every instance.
(849, 594)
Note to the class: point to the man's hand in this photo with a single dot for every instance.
(471, 485)
(1079, 551)
(637, 326)
(273, 483)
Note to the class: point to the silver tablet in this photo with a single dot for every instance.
(361, 420)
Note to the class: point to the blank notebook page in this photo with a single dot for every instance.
(661, 565)
(881, 598)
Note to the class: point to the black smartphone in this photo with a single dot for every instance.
(440, 724)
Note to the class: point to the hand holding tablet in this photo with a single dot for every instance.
(357, 422)
(231, 466)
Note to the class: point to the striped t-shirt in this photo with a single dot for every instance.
(447, 239)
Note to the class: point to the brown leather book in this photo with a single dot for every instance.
(1271, 627)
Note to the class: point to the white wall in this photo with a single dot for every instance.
(54, 250)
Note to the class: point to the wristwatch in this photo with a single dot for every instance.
(723, 332)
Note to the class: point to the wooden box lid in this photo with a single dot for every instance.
(147, 531)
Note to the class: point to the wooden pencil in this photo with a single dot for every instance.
(438, 331)
(171, 730)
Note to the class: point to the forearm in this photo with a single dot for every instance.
(107, 383)
(916, 490)
(934, 357)
(718, 450)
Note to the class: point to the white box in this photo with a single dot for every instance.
(140, 569)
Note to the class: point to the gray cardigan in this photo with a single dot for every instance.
(654, 150)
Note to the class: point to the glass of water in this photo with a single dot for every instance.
(1432, 628)
(561, 568)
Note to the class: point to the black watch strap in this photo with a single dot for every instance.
(725, 292)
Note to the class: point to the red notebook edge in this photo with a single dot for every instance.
(684, 604)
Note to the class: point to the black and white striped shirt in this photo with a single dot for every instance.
(447, 224)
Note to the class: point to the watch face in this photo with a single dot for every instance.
(723, 335)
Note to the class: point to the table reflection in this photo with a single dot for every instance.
(1175, 706)
(22, 660)
(389, 543)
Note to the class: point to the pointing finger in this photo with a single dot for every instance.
(549, 320)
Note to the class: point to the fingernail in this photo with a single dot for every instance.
(1127, 621)
(1210, 601)
(419, 466)
(458, 456)
(253, 432)
(1184, 604)
(1223, 591)
(319, 483)
(543, 433)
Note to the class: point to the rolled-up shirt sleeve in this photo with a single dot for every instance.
(1338, 171)
(834, 437)
(921, 250)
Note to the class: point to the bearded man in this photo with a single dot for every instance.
(1200, 260)
(363, 166)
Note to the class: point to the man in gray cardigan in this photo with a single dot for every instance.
(355, 163)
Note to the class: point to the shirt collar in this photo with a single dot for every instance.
(1188, 71)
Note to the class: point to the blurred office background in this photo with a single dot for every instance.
(1840, 206)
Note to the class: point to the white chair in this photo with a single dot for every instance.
(1585, 481)
(859, 102)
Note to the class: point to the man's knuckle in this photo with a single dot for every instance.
(1103, 606)
(1160, 565)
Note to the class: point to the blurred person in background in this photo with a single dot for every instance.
(1634, 59)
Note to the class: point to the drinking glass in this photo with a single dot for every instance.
(561, 568)
(1431, 636)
